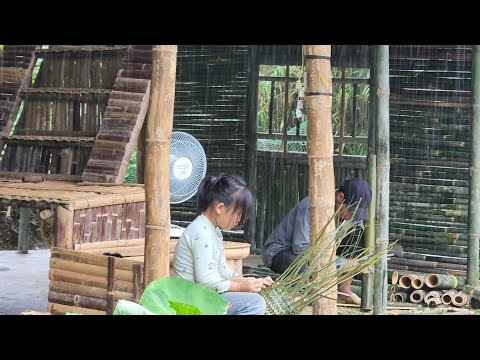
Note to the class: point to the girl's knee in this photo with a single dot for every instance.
(260, 305)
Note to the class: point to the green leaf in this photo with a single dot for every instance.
(125, 307)
(176, 291)
(185, 309)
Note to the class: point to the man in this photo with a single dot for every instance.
(292, 235)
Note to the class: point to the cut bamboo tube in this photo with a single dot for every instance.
(433, 294)
(448, 296)
(393, 277)
(417, 281)
(405, 282)
(440, 281)
(433, 301)
(46, 214)
(460, 299)
(60, 309)
(417, 296)
(401, 296)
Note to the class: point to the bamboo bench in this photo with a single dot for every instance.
(87, 281)
(134, 249)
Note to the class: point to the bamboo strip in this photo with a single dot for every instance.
(88, 280)
(80, 256)
(60, 309)
(77, 300)
(89, 291)
(89, 269)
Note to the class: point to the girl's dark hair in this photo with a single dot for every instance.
(227, 189)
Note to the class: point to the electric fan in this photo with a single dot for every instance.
(188, 166)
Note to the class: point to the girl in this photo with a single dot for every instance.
(223, 203)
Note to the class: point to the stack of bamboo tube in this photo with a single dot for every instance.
(91, 284)
(428, 289)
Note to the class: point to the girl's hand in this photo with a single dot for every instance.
(253, 285)
(267, 281)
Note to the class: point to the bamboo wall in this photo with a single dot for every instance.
(107, 223)
(283, 181)
(430, 149)
(210, 104)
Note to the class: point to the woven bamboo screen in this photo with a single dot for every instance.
(430, 149)
(210, 104)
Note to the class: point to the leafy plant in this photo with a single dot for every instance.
(175, 296)
(296, 289)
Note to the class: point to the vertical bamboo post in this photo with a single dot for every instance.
(63, 228)
(474, 185)
(141, 155)
(383, 177)
(251, 141)
(320, 156)
(157, 162)
(367, 283)
(24, 230)
(110, 284)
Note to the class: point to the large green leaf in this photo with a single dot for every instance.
(179, 293)
(125, 307)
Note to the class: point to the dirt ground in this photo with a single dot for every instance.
(24, 281)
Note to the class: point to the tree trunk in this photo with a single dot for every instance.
(320, 157)
(157, 162)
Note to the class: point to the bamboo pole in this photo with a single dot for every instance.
(474, 185)
(441, 282)
(60, 309)
(141, 154)
(24, 230)
(367, 287)
(63, 228)
(89, 280)
(84, 290)
(251, 141)
(77, 300)
(383, 180)
(320, 157)
(157, 162)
